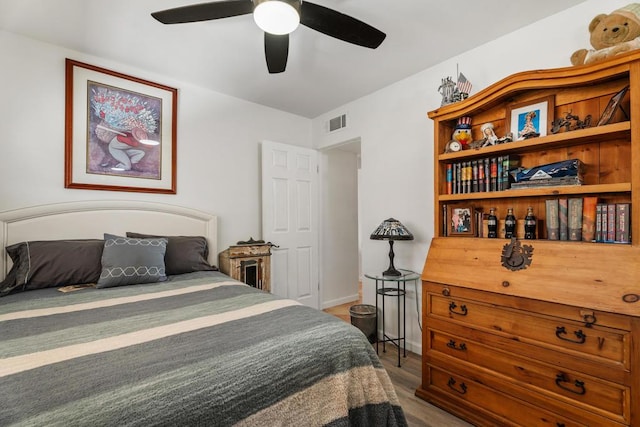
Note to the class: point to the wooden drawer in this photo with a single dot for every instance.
(606, 344)
(489, 406)
(554, 388)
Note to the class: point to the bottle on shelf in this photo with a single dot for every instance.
(492, 224)
(530, 224)
(509, 224)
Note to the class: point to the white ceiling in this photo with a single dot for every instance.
(227, 55)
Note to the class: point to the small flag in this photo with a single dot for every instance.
(464, 85)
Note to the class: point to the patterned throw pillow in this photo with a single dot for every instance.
(130, 261)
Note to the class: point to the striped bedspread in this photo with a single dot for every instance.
(204, 350)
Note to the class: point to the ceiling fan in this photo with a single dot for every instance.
(278, 18)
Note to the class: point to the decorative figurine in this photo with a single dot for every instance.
(507, 138)
(454, 91)
(461, 138)
(488, 135)
(462, 132)
(566, 122)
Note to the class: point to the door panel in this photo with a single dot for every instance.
(290, 219)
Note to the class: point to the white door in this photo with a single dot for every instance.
(290, 219)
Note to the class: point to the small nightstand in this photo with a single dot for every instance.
(248, 262)
(394, 286)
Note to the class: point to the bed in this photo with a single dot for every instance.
(192, 348)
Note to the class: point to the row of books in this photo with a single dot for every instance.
(586, 219)
(480, 175)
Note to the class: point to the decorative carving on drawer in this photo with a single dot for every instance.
(561, 332)
(516, 256)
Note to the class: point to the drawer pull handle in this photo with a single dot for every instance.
(589, 319)
(561, 379)
(461, 312)
(452, 385)
(452, 344)
(561, 332)
(446, 292)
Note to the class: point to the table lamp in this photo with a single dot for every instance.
(391, 229)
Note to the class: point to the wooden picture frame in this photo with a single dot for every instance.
(530, 118)
(611, 107)
(120, 131)
(461, 221)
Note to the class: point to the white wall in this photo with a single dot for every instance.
(397, 137)
(218, 140)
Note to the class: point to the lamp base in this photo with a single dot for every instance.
(391, 272)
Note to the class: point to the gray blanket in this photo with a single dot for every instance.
(204, 350)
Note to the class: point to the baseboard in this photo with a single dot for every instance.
(344, 300)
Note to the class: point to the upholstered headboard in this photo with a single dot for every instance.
(91, 219)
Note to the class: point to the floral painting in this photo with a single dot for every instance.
(123, 133)
(120, 132)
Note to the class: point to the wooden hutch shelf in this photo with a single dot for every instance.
(621, 187)
(593, 134)
(538, 332)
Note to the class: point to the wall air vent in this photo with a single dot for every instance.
(337, 123)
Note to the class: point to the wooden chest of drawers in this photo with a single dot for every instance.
(526, 362)
(544, 346)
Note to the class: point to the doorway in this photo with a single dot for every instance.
(340, 262)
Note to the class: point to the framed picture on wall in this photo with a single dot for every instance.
(530, 119)
(120, 131)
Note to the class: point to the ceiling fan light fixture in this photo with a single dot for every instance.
(277, 16)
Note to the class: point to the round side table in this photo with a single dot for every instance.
(394, 286)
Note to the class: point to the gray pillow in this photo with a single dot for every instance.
(52, 263)
(185, 254)
(130, 261)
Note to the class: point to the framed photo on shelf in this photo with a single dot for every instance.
(120, 131)
(612, 106)
(461, 221)
(530, 119)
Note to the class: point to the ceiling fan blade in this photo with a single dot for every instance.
(340, 26)
(204, 11)
(276, 51)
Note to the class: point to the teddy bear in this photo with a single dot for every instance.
(611, 35)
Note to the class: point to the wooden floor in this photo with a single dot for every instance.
(406, 379)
